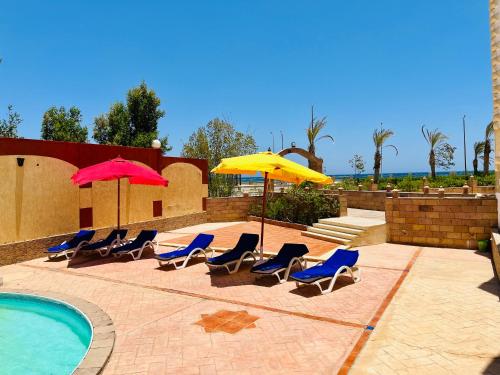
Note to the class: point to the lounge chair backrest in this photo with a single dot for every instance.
(202, 241)
(343, 257)
(291, 250)
(145, 235)
(247, 242)
(112, 236)
(82, 235)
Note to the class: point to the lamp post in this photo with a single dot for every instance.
(465, 148)
(281, 132)
(272, 134)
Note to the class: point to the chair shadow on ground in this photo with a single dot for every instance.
(91, 260)
(493, 368)
(170, 267)
(311, 290)
(220, 278)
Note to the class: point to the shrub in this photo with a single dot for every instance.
(300, 204)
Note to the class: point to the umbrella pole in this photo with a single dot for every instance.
(264, 197)
(118, 214)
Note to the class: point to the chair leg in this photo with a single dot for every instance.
(52, 256)
(289, 269)
(240, 261)
(357, 270)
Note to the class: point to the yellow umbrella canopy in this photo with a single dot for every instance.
(274, 167)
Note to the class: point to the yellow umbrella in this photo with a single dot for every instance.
(274, 167)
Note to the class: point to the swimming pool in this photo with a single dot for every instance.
(39, 335)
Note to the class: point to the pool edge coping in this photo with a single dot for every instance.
(103, 337)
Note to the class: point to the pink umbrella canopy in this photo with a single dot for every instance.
(118, 168)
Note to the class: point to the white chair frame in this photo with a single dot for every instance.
(237, 263)
(73, 250)
(185, 259)
(137, 253)
(349, 270)
(104, 251)
(297, 260)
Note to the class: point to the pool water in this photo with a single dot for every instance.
(40, 336)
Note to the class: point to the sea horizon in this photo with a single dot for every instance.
(342, 176)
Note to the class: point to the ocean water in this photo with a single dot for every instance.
(340, 177)
(40, 336)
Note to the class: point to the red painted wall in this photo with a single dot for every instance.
(84, 154)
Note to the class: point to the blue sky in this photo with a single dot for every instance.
(261, 64)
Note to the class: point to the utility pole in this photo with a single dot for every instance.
(465, 148)
(381, 148)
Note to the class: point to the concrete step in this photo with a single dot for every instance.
(340, 224)
(333, 233)
(338, 228)
(352, 222)
(325, 237)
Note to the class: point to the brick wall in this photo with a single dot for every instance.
(231, 208)
(21, 251)
(366, 200)
(448, 222)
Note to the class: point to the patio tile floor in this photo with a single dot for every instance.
(155, 312)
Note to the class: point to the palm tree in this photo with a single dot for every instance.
(313, 134)
(478, 150)
(380, 136)
(434, 138)
(487, 148)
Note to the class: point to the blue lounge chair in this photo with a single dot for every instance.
(185, 253)
(104, 246)
(136, 246)
(244, 248)
(342, 261)
(71, 246)
(289, 255)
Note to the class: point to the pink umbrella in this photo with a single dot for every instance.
(116, 169)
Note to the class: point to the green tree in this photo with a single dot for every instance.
(8, 127)
(487, 148)
(113, 128)
(215, 141)
(440, 153)
(61, 125)
(134, 123)
(380, 136)
(358, 164)
(478, 150)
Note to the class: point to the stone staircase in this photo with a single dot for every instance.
(348, 231)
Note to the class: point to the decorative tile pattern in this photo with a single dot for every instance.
(227, 321)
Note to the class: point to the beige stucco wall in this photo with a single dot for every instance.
(37, 199)
(185, 190)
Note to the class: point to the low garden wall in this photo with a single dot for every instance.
(446, 222)
(237, 208)
(375, 200)
(25, 250)
(366, 200)
(230, 208)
